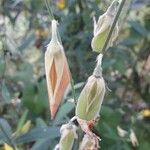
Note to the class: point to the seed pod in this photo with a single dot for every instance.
(102, 28)
(68, 134)
(57, 71)
(92, 95)
(89, 143)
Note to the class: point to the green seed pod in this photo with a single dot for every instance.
(68, 135)
(102, 28)
(89, 143)
(92, 95)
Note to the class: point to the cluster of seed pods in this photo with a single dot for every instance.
(92, 95)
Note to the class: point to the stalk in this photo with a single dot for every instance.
(49, 10)
(113, 26)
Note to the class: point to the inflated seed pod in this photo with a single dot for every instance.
(102, 28)
(92, 95)
(89, 143)
(57, 71)
(68, 135)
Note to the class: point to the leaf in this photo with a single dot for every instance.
(38, 133)
(5, 93)
(42, 144)
(5, 131)
(139, 28)
(110, 132)
(106, 112)
(40, 123)
(63, 111)
(22, 121)
(26, 41)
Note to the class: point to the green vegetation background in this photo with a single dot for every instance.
(24, 33)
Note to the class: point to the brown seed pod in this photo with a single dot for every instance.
(57, 71)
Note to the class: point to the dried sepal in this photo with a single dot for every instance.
(92, 95)
(68, 135)
(86, 127)
(7, 147)
(57, 71)
(102, 28)
(133, 138)
(89, 143)
(121, 132)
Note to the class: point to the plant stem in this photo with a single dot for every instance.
(73, 91)
(49, 10)
(113, 26)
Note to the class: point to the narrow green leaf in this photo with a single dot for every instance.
(5, 93)
(38, 133)
(22, 121)
(40, 122)
(63, 111)
(137, 26)
(42, 144)
(5, 131)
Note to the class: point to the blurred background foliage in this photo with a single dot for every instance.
(25, 31)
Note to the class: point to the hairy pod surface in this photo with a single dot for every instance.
(92, 95)
(68, 135)
(89, 143)
(102, 28)
(91, 98)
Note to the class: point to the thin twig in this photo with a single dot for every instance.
(113, 26)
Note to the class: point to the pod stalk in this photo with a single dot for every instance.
(98, 69)
(54, 31)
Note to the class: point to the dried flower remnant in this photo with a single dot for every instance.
(86, 127)
(133, 138)
(146, 113)
(102, 28)
(7, 147)
(121, 132)
(57, 71)
(89, 143)
(68, 135)
(60, 4)
(92, 95)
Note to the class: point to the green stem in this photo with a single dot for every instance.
(113, 26)
(49, 10)
(73, 91)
